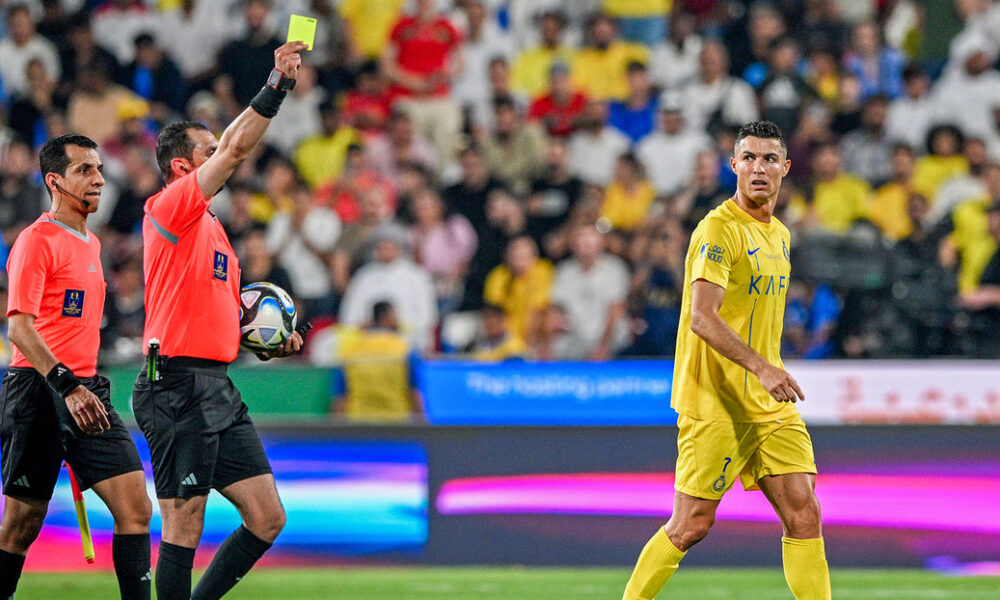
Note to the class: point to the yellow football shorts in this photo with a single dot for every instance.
(711, 454)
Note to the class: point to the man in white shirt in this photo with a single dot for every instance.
(484, 41)
(715, 97)
(592, 286)
(116, 24)
(22, 45)
(595, 146)
(393, 277)
(970, 87)
(910, 116)
(669, 154)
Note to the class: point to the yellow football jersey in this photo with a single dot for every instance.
(750, 260)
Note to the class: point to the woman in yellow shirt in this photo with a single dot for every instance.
(629, 196)
(943, 161)
(521, 285)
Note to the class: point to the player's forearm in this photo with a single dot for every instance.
(23, 334)
(721, 337)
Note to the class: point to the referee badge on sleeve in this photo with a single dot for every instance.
(220, 270)
(73, 303)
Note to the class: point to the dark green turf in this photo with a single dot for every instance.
(532, 584)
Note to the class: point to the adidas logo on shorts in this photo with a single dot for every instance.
(22, 481)
(190, 480)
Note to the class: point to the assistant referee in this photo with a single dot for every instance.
(199, 432)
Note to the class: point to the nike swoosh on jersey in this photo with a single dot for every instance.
(752, 252)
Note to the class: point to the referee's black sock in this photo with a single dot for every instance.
(231, 562)
(10, 572)
(173, 572)
(130, 553)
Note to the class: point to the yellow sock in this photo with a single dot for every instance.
(657, 562)
(806, 571)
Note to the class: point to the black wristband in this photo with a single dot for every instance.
(62, 380)
(267, 101)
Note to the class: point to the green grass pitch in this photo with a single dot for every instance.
(532, 584)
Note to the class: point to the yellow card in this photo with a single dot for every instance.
(302, 29)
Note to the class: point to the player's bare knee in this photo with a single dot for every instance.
(805, 522)
(22, 532)
(134, 517)
(267, 524)
(688, 532)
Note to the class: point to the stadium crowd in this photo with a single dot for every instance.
(518, 178)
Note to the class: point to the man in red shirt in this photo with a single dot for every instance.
(560, 109)
(55, 405)
(421, 61)
(199, 432)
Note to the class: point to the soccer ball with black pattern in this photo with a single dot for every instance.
(267, 317)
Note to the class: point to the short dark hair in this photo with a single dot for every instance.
(761, 129)
(53, 158)
(493, 309)
(174, 142)
(380, 310)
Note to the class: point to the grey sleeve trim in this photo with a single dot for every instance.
(162, 230)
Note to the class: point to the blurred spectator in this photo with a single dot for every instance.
(505, 220)
(301, 242)
(521, 285)
(878, 67)
(765, 25)
(484, 41)
(640, 21)
(669, 154)
(393, 276)
(443, 244)
(29, 108)
(198, 29)
(629, 197)
(533, 67)
(141, 179)
(21, 200)
(890, 207)
(592, 285)
(599, 69)
(713, 97)
(821, 25)
(83, 50)
(257, 262)
(400, 144)
(353, 248)
(810, 319)
(239, 221)
(968, 91)
(377, 375)
(552, 339)
(560, 109)
(674, 63)
(124, 311)
(421, 60)
(553, 195)
(943, 160)
(280, 180)
(153, 76)
(514, 151)
(970, 245)
(984, 299)
(655, 293)
(595, 146)
(496, 341)
(320, 158)
(838, 199)
(847, 109)
(823, 73)
(961, 187)
(299, 117)
(703, 194)
(910, 116)
(480, 116)
(247, 60)
(19, 47)
(93, 107)
(343, 195)
(370, 22)
(118, 22)
(784, 91)
(866, 150)
(366, 105)
(469, 196)
(132, 132)
(635, 116)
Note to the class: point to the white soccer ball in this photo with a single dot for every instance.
(267, 317)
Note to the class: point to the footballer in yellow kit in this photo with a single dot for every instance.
(735, 400)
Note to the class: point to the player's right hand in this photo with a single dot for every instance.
(287, 58)
(780, 384)
(88, 411)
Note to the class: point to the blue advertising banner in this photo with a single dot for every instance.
(623, 392)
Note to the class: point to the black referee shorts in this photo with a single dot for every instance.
(199, 430)
(37, 433)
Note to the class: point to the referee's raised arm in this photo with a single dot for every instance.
(247, 129)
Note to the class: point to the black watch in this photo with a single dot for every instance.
(277, 81)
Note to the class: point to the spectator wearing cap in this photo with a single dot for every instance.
(301, 241)
(320, 158)
(669, 154)
(514, 151)
(910, 115)
(559, 110)
(300, 115)
(154, 77)
(247, 60)
(531, 69)
(393, 277)
(19, 47)
(520, 285)
(595, 146)
(714, 98)
(673, 63)
(421, 60)
(635, 116)
(600, 69)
